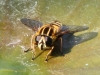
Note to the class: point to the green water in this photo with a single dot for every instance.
(80, 59)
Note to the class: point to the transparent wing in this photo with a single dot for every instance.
(73, 28)
(33, 24)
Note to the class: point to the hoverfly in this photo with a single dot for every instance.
(46, 35)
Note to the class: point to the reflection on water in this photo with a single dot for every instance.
(82, 49)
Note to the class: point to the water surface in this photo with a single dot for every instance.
(82, 50)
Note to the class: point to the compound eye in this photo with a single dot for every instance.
(37, 38)
(48, 41)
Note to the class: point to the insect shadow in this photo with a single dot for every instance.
(69, 41)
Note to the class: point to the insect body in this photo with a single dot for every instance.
(46, 35)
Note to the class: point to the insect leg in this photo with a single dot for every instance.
(33, 54)
(33, 46)
(49, 53)
(28, 50)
